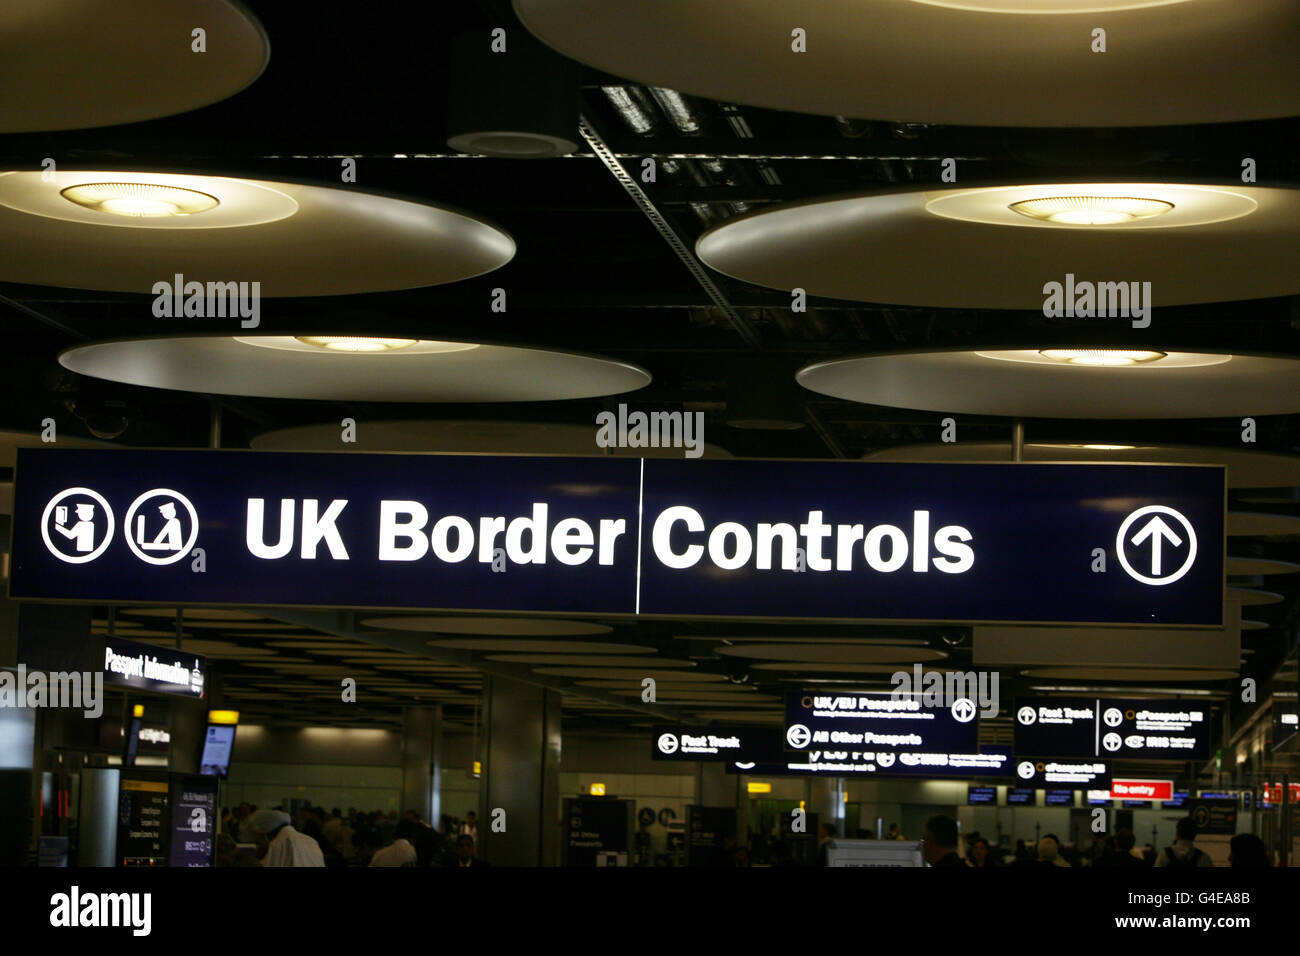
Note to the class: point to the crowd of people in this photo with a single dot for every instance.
(314, 836)
(942, 844)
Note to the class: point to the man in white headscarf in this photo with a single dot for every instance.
(285, 846)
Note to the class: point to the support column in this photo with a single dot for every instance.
(521, 773)
(714, 787)
(421, 759)
(187, 725)
(826, 799)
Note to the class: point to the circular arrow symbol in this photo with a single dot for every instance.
(1026, 715)
(798, 736)
(1025, 769)
(1112, 717)
(668, 743)
(1149, 540)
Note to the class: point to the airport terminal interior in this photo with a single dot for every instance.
(594, 433)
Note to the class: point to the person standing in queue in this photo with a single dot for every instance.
(284, 846)
(981, 855)
(470, 827)
(1184, 852)
(464, 855)
(939, 845)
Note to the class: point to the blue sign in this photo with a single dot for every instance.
(1059, 798)
(1114, 728)
(987, 762)
(1020, 796)
(978, 795)
(877, 722)
(1137, 544)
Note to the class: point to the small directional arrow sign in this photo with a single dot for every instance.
(1152, 526)
(1157, 531)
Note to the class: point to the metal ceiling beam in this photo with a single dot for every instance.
(742, 325)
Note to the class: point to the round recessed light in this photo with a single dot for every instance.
(1091, 210)
(1105, 358)
(141, 200)
(356, 343)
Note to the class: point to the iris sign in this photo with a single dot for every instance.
(1134, 544)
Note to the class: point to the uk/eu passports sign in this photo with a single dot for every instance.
(1063, 543)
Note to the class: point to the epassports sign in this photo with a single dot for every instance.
(1135, 544)
(1157, 729)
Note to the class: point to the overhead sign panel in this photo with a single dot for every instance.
(1142, 789)
(682, 742)
(878, 722)
(1139, 544)
(989, 762)
(1113, 728)
(158, 669)
(1051, 774)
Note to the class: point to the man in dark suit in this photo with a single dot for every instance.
(464, 855)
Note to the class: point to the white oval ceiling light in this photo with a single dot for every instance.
(143, 200)
(285, 367)
(872, 246)
(292, 238)
(1105, 358)
(90, 63)
(1031, 385)
(1091, 210)
(981, 64)
(480, 437)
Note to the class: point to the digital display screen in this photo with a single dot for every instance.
(216, 750)
(986, 795)
(1020, 796)
(1059, 798)
(1180, 798)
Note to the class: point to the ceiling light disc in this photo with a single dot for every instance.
(100, 65)
(967, 249)
(917, 62)
(292, 239)
(1030, 385)
(228, 365)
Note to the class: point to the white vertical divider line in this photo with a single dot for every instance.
(640, 520)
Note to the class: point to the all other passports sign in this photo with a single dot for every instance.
(614, 536)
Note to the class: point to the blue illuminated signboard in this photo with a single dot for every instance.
(981, 795)
(879, 721)
(1058, 798)
(792, 539)
(987, 762)
(1105, 727)
(1020, 796)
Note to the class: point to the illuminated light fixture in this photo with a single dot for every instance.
(1048, 6)
(755, 787)
(137, 710)
(141, 200)
(1107, 358)
(356, 343)
(1091, 210)
(478, 768)
(225, 717)
(1105, 447)
(597, 790)
(947, 62)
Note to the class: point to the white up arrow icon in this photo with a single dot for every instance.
(1156, 529)
(1159, 531)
